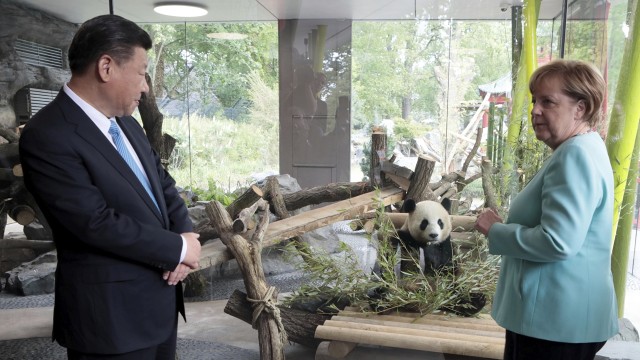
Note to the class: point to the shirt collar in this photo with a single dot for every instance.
(98, 118)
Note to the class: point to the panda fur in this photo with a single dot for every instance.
(428, 227)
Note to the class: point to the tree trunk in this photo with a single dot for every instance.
(419, 188)
(266, 317)
(152, 120)
(328, 193)
(378, 154)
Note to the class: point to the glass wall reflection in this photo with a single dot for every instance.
(300, 97)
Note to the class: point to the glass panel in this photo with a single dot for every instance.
(216, 85)
(315, 69)
(424, 79)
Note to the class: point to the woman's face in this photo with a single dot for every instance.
(555, 116)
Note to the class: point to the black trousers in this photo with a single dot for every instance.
(521, 347)
(163, 351)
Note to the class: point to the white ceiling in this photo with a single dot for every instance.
(141, 11)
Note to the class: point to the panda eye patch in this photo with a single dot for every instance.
(424, 224)
(441, 224)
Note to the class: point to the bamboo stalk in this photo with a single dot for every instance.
(621, 137)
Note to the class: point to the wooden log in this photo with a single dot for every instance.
(9, 134)
(340, 349)
(487, 185)
(474, 150)
(328, 193)
(406, 322)
(449, 178)
(17, 170)
(399, 181)
(439, 191)
(450, 193)
(23, 214)
(300, 325)
(214, 253)
(369, 226)
(390, 168)
(390, 328)
(40, 246)
(419, 188)
(248, 198)
(152, 120)
(378, 154)
(245, 221)
(447, 346)
(266, 318)
(468, 322)
(342, 210)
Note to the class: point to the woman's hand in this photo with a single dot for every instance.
(486, 219)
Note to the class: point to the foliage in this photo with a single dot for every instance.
(221, 150)
(392, 63)
(333, 278)
(214, 192)
(407, 130)
(189, 66)
(330, 278)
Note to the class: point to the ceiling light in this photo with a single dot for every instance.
(227, 36)
(180, 9)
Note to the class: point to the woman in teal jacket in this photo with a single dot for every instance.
(555, 293)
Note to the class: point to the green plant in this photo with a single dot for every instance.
(340, 280)
(214, 192)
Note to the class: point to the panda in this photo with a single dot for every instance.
(428, 227)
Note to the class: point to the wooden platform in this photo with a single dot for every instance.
(478, 337)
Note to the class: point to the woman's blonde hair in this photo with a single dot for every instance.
(579, 80)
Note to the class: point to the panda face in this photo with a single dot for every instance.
(428, 222)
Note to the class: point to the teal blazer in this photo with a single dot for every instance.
(555, 277)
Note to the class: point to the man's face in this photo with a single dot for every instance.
(129, 83)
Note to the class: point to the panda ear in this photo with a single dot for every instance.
(446, 204)
(409, 205)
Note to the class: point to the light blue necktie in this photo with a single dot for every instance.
(114, 131)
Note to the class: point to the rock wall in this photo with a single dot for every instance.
(20, 22)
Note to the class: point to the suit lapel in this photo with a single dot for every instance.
(87, 130)
(148, 165)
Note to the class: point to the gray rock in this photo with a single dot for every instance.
(35, 231)
(201, 225)
(18, 23)
(33, 278)
(627, 331)
(619, 350)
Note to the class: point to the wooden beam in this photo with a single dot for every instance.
(215, 253)
(478, 337)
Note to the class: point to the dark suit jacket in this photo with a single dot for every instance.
(112, 242)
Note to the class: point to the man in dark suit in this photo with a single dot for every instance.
(123, 235)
